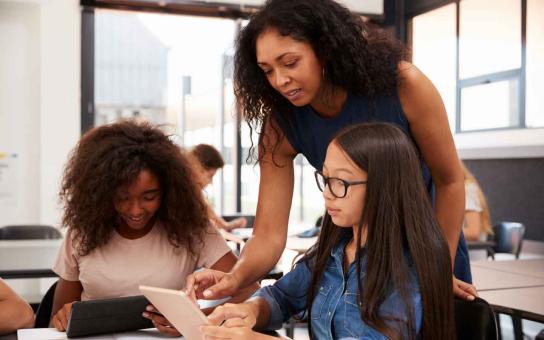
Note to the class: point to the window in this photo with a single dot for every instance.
(153, 67)
(472, 50)
(489, 52)
(534, 104)
(433, 45)
(489, 37)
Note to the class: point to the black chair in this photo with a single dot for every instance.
(250, 219)
(475, 320)
(508, 237)
(275, 274)
(43, 314)
(29, 232)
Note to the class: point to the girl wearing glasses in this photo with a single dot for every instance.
(380, 268)
(305, 69)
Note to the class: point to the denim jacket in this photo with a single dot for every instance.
(335, 310)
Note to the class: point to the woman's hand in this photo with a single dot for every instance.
(211, 284)
(60, 319)
(464, 290)
(159, 321)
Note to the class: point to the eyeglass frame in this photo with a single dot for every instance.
(326, 179)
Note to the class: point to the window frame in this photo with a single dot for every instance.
(420, 7)
(489, 78)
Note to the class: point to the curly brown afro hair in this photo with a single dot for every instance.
(111, 156)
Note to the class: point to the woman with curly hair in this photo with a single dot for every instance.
(134, 216)
(303, 70)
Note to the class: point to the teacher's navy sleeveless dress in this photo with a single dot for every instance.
(310, 134)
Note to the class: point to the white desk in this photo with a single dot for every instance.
(28, 254)
(300, 244)
(492, 279)
(528, 301)
(532, 267)
(53, 334)
(513, 287)
(519, 303)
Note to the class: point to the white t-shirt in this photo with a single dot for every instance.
(473, 203)
(119, 267)
(472, 199)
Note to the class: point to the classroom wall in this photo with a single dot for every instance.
(39, 101)
(515, 191)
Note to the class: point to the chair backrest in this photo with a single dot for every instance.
(475, 320)
(43, 314)
(250, 219)
(508, 237)
(29, 232)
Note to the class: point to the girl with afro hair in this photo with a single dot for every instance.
(134, 216)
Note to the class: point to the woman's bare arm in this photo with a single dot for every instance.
(264, 249)
(429, 125)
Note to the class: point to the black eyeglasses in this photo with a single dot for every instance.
(337, 186)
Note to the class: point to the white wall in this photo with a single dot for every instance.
(20, 107)
(39, 101)
(515, 143)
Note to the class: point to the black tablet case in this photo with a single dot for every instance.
(107, 316)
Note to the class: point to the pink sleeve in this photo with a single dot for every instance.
(67, 264)
(213, 249)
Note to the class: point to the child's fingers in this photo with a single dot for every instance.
(217, 316)
(157, 318)
(63, 319)
(235, 322)
(58, 324)
(166, 329)
(215, 332)
(151, 308)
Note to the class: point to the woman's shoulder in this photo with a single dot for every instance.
(411, 80)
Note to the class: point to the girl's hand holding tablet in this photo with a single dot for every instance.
(159, 321)
(233, 321)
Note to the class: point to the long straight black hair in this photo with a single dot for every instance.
(399, 216)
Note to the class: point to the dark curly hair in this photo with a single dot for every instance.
(208, 156)
(356, 56)
(111, 156)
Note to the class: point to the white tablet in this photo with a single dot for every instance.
(178, 308)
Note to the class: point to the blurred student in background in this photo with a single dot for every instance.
(206, 160)
(477, 225)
